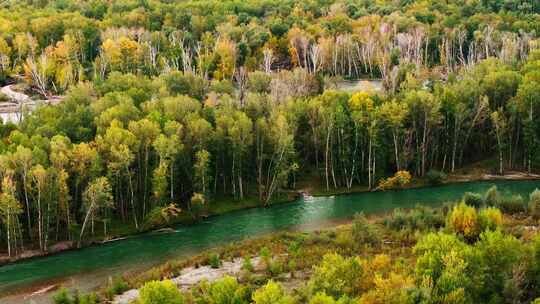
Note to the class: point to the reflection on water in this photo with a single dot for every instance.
(13, 117)
(309, 212)
(352, 86)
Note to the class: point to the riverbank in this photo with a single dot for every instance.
(460, 176)
(312, 187)
(120, 231)
(291, 258)
(15, 101)
(87, 268)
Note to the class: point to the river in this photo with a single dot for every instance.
(88, 267)
(12, 110)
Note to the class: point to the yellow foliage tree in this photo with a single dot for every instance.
(400, 179)
(226, 50)
(388, 290)
(361, 101)
(122, 54)
(490, 218)
(5, 53)
(464, 220)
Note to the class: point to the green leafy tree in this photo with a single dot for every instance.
(500, 123)
(202, 174)
(499, 254)
(452, 268)
(10, 209)
(393, 114)
(366, 118)
(337, 276)
(424, 111)
(528, 97)
(146, 132)
(22, 161)
(97, 197)
(189, 84)
(275, 153)
(118, 145)
(40, 183)
(85, 163)
(168, 146)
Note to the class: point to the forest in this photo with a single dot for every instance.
(168, 107)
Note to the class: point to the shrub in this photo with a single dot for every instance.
(435, 177)
(420, 217)
(345, 241)
(473, 199)
(266, 256)
(292, 266)
(322, 298)
(214, 261)
(88, 299)
(160, 216)
(363, 232)
(430, 252)
(294, 248)
(534, 203)
(160, 292)
(336, 276)
(116, 286)
(197, 204)
(226, 291)
(463, 220)
(3, 97)
(259, 82)
(398, 220)
(492, 197)
(62, 297)
(247, 265)
(271, 293)
(499, 253)
(265, 253)
(391, 289)
(400, 179)
(275, 267)
(423, 217)
(451, 267)
(490, 218)
(513, 204)
(535, 246)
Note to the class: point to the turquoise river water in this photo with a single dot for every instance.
(95, 264)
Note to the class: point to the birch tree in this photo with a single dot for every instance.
(365, 116)
(97, 197)
(393, 114)
(500, 125)
(10, 209)
(424, 110)
(275, 155)
(39, 181)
